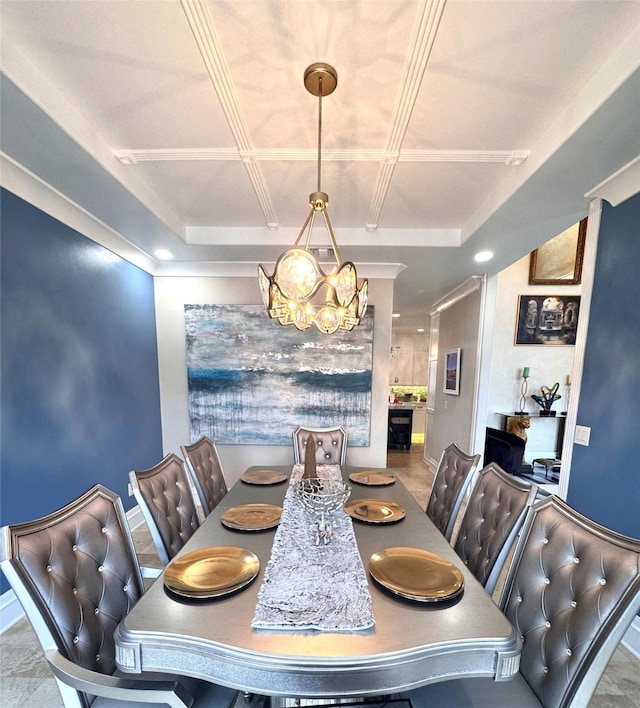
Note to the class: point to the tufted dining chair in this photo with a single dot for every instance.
(203, 464)
(572, 590)
(492, 518)
(76, 575)
(163, 493)
(331, 445)
(453, 476)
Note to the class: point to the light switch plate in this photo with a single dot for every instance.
(582, 435)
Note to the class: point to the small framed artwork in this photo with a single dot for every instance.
(452, 371)
(559, 260)
(547, 319)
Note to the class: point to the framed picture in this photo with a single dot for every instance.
(559, 261)
(452, 371)
(547, 319)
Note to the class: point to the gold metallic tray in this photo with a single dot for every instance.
(211, 572)
(374, 511)
(252, 517)
(264, 477)
(416, 574)
(372, 478)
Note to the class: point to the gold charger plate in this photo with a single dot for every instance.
(372, 478)
(416, 574)
(374, 511)
(264, 477)
(211, 572)
(252, 517)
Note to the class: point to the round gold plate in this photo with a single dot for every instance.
(372, 478)
(374, 511)
(211, 572)
(416, 574)
(264, 477)
(252, 517)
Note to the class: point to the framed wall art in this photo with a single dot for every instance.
(559, 260)
(547, 319)
(252, 381)
(452, 371)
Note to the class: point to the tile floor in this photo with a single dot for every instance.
(25, 679)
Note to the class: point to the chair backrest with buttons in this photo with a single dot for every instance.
(163, 493)
(331, 445)
(203, 464)
(572, 591)
(492, 518)
(454, 473)
(76, 575)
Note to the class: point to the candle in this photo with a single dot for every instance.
(525, 372)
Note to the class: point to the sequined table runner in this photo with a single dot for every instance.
(309, 586)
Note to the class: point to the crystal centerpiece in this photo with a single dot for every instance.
(321, 496)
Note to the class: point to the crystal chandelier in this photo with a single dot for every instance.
(300, 292)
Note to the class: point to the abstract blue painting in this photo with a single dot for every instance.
(252, 381)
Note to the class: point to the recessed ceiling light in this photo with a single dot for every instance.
(483, 256)
(162, 254)
(395, 314)
(420, 329)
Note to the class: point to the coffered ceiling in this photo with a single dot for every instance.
(456, 126)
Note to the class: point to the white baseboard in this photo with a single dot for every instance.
(10, 608)
(432, 464)
(631, 639)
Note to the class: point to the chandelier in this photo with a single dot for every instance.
(300, 292)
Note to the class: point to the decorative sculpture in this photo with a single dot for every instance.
(547, 399)
(310, 459)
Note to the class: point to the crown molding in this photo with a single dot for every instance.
(248, 269)
(620, 185)
(20, 181)
(459, 293)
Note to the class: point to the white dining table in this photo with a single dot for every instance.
(411, 643)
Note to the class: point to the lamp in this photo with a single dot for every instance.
(300, 292)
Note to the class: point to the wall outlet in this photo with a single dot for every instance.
(582, 435)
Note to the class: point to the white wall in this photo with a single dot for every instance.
(548, 364)
(172, 293)
(453, 417)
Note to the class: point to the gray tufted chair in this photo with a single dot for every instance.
(76, 575)
(331, 445)
(492, 518)
(572, 591)
(454, 473)
(206, 472)
(163, 493)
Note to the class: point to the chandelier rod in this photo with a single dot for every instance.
(319, 131)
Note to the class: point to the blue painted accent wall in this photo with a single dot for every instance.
(605, 476)
(80, 392)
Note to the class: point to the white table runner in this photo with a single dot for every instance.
(313, 587)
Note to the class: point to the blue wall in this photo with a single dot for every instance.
(605, 476)
(80, 394)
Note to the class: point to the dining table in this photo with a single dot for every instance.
(409, 642)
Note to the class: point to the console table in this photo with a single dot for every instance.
(560, 419)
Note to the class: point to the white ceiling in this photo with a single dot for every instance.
(456, 126)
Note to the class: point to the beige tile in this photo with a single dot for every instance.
(32, 692)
